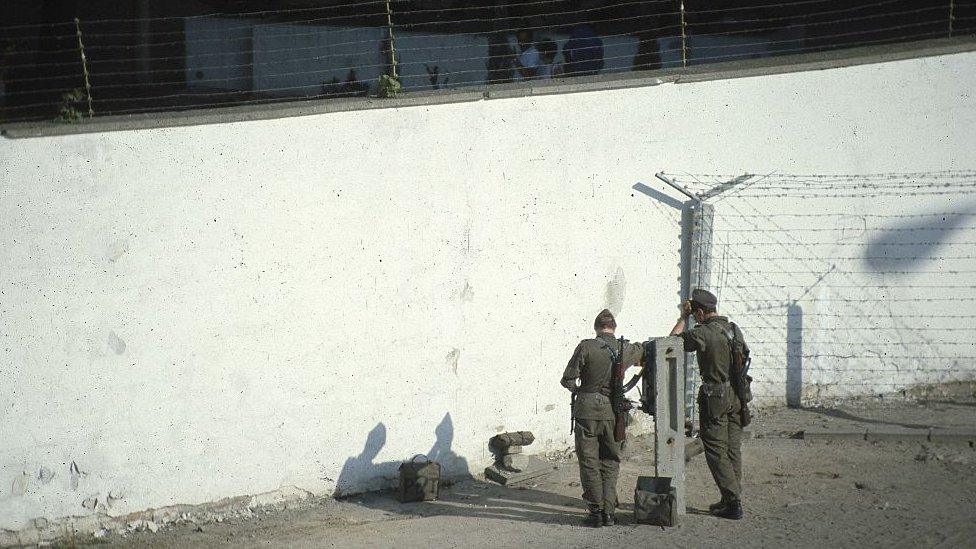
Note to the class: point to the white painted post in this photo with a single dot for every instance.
(669, 415)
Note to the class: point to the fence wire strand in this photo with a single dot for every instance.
(822, 320)
(170, 62)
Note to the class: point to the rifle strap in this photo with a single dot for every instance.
(610, 351)
(616, 358)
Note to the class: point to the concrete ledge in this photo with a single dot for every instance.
(833, 59)
(818, 433)
(890, 434)
(897, 433)
(618, 81)
(953, 435)
(240, 113)
(89, 528)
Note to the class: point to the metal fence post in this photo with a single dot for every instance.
(84, 68)
(684, 36)
(701, 217)
(696, 254)
(952, 15)
(389, 28)
(697, 220)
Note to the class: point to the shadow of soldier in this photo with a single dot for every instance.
(360, 473)
(453, 466)
(461, 494)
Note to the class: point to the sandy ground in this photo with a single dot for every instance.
(797, 493)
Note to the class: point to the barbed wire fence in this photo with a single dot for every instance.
(92, 65)
(846, 285)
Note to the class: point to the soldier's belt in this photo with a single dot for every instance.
(715, 389)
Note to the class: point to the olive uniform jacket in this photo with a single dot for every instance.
(714, 354)
(592, 364)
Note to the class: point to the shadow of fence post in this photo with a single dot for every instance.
(794, 355)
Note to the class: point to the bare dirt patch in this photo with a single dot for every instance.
(798, 493)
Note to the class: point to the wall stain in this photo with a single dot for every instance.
(19, 486)
(467, 294)
(75, 474)
(115, 343)
(45, 475)
(452, 360)
(616, 292)
(117, 249)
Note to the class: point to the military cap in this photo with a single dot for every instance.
(704, 297)
(604, 319)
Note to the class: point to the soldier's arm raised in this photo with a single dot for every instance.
(679, 326)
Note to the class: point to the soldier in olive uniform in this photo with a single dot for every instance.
(588, 375)
(718, 405)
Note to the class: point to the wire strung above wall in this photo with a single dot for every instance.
(175, 58)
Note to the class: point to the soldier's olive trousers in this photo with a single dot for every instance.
(599, 463)
(721, 436)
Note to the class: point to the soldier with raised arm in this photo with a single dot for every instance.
(720, 409)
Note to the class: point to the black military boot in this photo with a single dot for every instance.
(594, 519)
(609, 518)
(720, 504)
(732, 511)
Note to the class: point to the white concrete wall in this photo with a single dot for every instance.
(199, 312)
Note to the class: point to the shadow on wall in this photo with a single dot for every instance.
(684, 208)
(362, 474)
(659, 196)
(794, 355)
(904, 247)
(452, 465)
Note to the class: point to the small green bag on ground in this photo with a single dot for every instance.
(655, 502)
(419, 480)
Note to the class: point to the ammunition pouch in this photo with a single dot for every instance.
(742, 385)
(713, 401)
